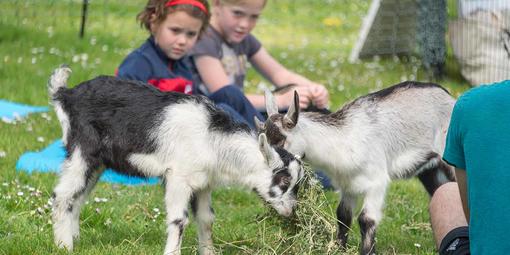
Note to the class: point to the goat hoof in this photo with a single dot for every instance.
(65, 245)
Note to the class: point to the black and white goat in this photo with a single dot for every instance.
(188, 142)
(398, 132)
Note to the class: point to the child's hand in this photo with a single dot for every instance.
(284, 100)
(305, 96)
(319, 96)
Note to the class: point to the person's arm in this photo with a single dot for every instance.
(135, 67)
(211, 72)
(309, 92)
(446, 211)
(462, 182)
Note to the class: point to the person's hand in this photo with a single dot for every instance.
(319, 96)
(284, 100)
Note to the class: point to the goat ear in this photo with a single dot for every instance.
(271, 105)
(265, 148)
(259, 125)
(292, 115)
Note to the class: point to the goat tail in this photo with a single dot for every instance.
(58, 79)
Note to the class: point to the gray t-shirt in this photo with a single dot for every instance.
(234, 57)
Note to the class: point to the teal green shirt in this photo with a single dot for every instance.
(478, 141)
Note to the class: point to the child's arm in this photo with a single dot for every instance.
(213, 75)
(309, 92)
(211, 72)
(135, 68)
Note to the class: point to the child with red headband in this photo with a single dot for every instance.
(221, 55)
(175, 26)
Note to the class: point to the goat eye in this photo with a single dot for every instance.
(284, 184)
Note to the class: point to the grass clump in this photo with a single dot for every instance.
(312, 227)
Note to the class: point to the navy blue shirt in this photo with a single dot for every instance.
(150, 64)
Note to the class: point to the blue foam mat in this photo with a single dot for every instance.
(51, 158)
(10, 110)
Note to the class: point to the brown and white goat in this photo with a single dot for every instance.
(188, 142)
(395, 133)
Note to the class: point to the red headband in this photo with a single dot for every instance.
(195, 3)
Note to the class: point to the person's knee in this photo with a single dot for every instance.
(230, 94)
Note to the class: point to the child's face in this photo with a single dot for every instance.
(177, 34)
(236, 21)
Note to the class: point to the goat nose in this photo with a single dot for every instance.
(286, 212)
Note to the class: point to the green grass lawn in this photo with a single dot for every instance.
(37, 36)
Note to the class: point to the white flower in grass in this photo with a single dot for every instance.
(76, 58)
(40, 139)
(417, 245)
(2, 155)
(7, 120)
(100, 200)
(84, 57)
(98, 210)
(55, 51)
(20, 193)
(5, 184)
(46, 116)
(17, 116)
(50, 31)
(156, 210)
(104, 48)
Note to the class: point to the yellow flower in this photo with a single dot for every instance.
(332, 22)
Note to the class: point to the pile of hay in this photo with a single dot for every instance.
(310, 230)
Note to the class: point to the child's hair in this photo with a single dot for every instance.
(236, 2)
(159, 9)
